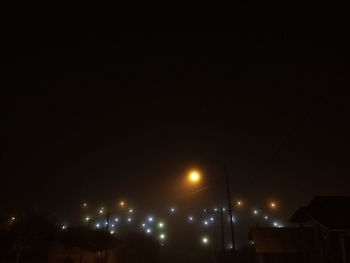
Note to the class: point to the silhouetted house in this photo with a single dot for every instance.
(84, 246)
(284, 245)
(330, 216)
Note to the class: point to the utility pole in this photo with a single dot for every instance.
(228, 192)
(107, 221)
(222, 229)
(222, 232)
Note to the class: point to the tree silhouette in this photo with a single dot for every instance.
(30, 238)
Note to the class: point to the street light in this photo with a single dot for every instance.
(205, 240)
(194, 176)
(273, 205)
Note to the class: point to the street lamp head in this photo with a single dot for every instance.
(194, 176)
(273, 205)
(205, 240)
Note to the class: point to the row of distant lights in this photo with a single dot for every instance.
(150, 219)
(148, 230)
(272, 205)
(162, 236)
(190, 218)
(275, 224)
(173, 209)
(122, 204)
(102, 211)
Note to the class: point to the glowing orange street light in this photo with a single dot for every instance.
(122, 204)
(239, 203)
(273, 205)
(194, 176)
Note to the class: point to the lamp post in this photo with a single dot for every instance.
(228, 192)
(194, 177)
(221, 212)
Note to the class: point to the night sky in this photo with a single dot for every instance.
(104, 100)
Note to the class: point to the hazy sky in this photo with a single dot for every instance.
(109, 101)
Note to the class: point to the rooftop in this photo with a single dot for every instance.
(332, 212)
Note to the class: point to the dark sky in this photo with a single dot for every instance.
(108, 99)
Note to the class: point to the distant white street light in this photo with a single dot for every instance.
(205, 240)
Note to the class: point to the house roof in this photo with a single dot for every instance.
(282, 240)
(332, 212)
